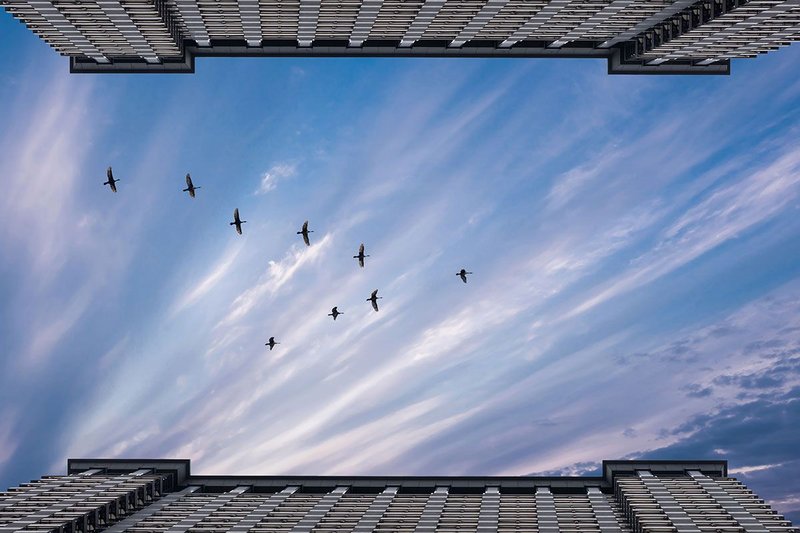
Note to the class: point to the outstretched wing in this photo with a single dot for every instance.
(361, 249)
(374, 302)
(374, 294)
(109, 174)
(236, 215)
(189, 181)
(361, 261)
(305, 227)
(305, 238)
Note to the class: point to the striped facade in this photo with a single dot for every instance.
(161, 496)
(634, 36)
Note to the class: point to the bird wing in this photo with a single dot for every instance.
(109, 174)
(361, 262)
(361, 249)
(236, 215)
(374, 303)
(374, 294)
(113, 186)
(305, 238)
(305, 226)
(189, 181)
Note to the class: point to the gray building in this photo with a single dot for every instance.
(150, 496)
(634, 36)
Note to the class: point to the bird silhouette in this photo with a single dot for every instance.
(374, 299)
(237, 221)
(463, 274)
(271, 343)
(304, 232)
(190, 188)
(360, 255)
(111, 181)
(335, 312)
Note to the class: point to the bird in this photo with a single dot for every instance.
(360, 255)
(374, 299)
(335, 312)
(304, 232)
(463, 273)
(190, 188)
(237, 221)
(111, 181)
(271, 343)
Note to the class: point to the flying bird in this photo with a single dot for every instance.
(271, 343)
(360, 255)
(190, 188)
(374, 299)
(111, 181)
(304, 232)
(463, 274)
(335, 312)
(237, 221)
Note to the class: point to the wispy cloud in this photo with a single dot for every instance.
(276, 174)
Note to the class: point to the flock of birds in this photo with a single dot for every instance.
(304, 231)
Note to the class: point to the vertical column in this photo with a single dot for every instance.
(150, 510)
(603, 513)
(432, 511)
(251, 21)
(123, 22)
(193, 19)
(259, 513)
(592, 22)
(546, 518)
(367, 14)
(726, 501)
(487, 13)
(370, 519)
(489, 515)
(307, 22)
(206, 510)
(667, 503)
(312, 518)
(55, 18)
(649, 22)
(424, 17)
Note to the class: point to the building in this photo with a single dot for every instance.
(634, 36)
(148, 496)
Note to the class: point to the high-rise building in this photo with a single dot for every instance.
(150, 496)
(634, 36)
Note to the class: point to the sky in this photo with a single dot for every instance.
(635, 243)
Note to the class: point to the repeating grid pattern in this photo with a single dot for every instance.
(369, 521)
(461, 512)
(718, 30)
(686, 32)
(518, 512)
(90, 502)
(77, 503)
(403, 513)
(489, 516)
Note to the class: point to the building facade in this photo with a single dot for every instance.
(634, 36)
(162, 496)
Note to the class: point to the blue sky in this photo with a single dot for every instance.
(635, 243)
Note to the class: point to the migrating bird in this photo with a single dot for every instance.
(335, 312)
(271, 343)
(237, 221)
(304, 232)
(360, 255)
(190, 188)
(374, 299)
(463, 273)
(111, 181)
